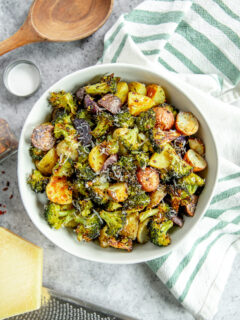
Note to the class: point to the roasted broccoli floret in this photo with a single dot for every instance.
(124, 169)
(36, 154)
(164, 209)
(85, 207)
(152, 143)
(124, 120)
(57, 215)
(89, 227)
(98, 190)
(64, 100)
(83, 152)
(84, 114)
(112, 146)
(37, 181)
(142, 159)
(137, 199)
(191, 182)
(64, 168)
(113, 206)
(146, 120)
(130, 139)
(63, 126)
(177, 168)
(104, 122)
(114, 220)
(158, 232)
(106, 84)
(79, 188)
(84, 171)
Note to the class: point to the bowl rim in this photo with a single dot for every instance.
(115, 260)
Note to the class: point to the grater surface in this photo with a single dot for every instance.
(59, 307)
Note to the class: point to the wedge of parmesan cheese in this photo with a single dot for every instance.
(20, 275)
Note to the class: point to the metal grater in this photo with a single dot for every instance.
(58, 307)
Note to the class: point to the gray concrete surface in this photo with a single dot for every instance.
(131, 289)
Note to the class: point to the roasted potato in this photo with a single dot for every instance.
(162, 137)
(197, 145)
(157, 196)
(164, 118)
(42, 137)
(195, 160)
(143, 231)
(111, 103)
(110, 160)
(118, 191)
(68, 149)
(122, 91)
(46, 164)
(96, 158)
(156, 93)
(137, 87)
(59, 191)
(131, 226)
(186, 123)
(138, 103)
(161, 160)
(148, 178)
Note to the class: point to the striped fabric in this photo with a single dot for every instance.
(196, 41)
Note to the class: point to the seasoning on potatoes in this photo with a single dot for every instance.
(110, 103)
(148, 178)
(42, 137)
(96, 158)
(164, 118)
(137, 87)
(186, 123)
(118, 191)
(157, 196)
(122, 91)
(46, 164)
(58, 190)
(197, 145)
(195, 160)
(138, 103)
(156, 93)
(161, 137)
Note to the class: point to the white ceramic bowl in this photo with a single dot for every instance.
(67, 240)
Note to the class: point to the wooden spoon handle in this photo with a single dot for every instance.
(26, 34)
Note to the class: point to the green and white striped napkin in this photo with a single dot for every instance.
(196, 44)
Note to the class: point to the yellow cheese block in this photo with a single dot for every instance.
(20, 275)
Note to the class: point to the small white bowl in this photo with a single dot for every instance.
(67, 240)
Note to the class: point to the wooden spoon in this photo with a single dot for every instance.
(59, 20)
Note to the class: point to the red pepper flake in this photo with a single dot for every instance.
(2, 212)
(8, 184)
(11, 196)
(3, 172)
(5, 189)
(4, 206)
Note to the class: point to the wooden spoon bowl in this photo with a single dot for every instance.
(59, 20)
